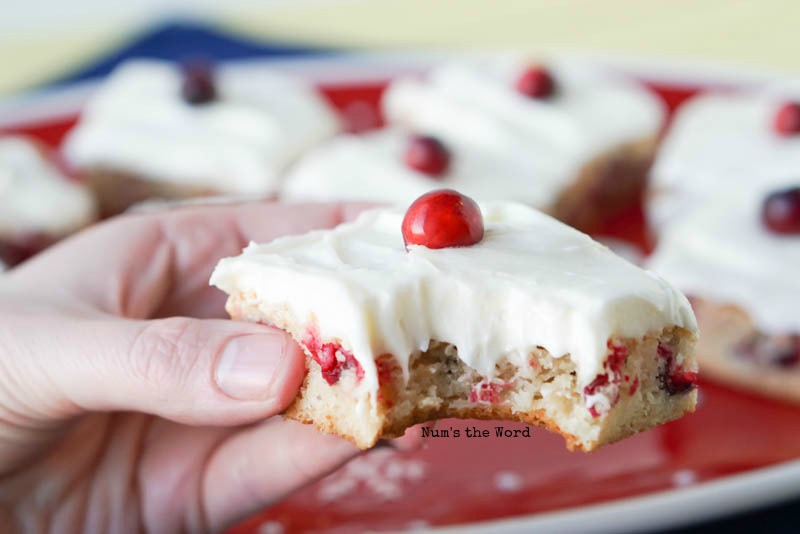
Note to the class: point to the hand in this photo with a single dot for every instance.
(118, 412)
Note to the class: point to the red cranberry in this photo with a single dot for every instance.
(385, 369)
(327, 355)
(595, 385)
(608, 383)
(198, 84)
(673, 377)
(679, 381)
(787, 119)
(617, 356)
(536, 82)
(781, 211)
(488, 392)
(427, 155)
(443, 218)
(789, 359)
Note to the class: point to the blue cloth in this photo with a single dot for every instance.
(186, 41)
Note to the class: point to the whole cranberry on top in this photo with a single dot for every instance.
(536, 82)
(443, 218)
(427, 155)
(781, 211)
(198, 83)
(787, 119)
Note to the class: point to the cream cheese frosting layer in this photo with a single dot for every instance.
(505, 145)
(35, 197)
(724, 253)
(718, 142)
(370, 167)
(532, 281)
(240, 143)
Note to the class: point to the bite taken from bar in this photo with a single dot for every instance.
(458, 309)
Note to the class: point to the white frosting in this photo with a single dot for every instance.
(371, 167)
(724, 253)
(505, 146)
(240, 143)
(718, 142)
(532, 281)
(35, 197)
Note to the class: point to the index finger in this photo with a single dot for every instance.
(158, 264)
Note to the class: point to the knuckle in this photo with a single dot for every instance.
(167, 351)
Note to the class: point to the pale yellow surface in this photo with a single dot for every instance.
(32, 60)
(761, 33)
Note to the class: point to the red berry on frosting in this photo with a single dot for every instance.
(427, 155)
(198, 84)
(787, 119)
(443, 218)
(536, 82)
(781, 211)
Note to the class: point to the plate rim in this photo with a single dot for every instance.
(716, 498)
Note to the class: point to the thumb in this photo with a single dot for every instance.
(192, 371)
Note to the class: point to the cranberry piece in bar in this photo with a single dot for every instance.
(680, 381)
(789, 359)
(427, 155)
(536, 82)
(331, 357)
(787, 119)
(674, 378)
(443, 218)
(198, 84)
(781, 211)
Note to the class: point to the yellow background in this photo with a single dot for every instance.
(761, 33)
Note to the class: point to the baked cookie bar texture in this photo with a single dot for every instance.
(157, 129)
(736, 257)
(528, 319)
(559, 136)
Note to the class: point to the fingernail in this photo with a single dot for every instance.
(248, 365)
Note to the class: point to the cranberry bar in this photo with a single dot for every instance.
(451, 309)
(561, 137)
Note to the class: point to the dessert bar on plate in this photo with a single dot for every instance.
(155, 129)
(737, 258)
(453, 309)
(558, 136)
(719, 141)
(39, 204)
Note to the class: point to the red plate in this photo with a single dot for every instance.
(462, 480)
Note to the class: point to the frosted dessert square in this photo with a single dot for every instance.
(155, 129)
(451, 309)
(560, 136)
